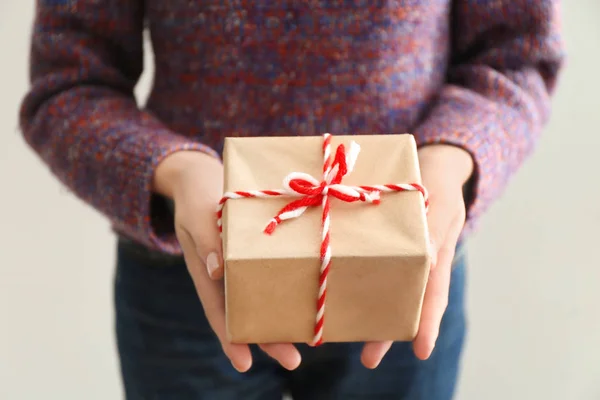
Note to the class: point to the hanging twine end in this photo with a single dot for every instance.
(375, 197)
(270, 228)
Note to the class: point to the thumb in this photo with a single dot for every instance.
(209, 248)
(207, 239)
(438, 222)
(214, 265)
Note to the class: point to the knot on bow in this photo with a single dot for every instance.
(312, 192)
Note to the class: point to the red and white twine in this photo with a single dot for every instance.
(312, 192)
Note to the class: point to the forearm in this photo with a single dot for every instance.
(82, 119)
(497, 97)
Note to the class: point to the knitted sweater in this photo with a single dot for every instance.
(476, 74)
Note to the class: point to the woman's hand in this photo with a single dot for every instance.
(444, 170)
(194, 181)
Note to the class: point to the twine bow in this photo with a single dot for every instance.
(311, 193)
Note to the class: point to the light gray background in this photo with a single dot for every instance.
(534, 273)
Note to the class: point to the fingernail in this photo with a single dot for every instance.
(212, 263)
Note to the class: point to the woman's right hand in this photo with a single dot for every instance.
(194, 181)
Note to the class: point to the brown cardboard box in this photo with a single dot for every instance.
(380, 259)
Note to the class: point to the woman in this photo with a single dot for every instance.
(470, 79)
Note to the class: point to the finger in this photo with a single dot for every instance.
(434, 304)
(207, 240)
(214, 265)
(211, 295)
(373, 353)
(436, 293)
(439, 220)
(285, 354)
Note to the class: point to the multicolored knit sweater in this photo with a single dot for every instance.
(474, 73)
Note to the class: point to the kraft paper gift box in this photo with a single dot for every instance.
(379, 253)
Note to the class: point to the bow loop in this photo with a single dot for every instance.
(339, 167)
(313, 190)
(302, 184)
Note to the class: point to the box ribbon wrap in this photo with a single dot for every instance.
(312, 192)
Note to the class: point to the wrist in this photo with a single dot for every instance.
(454, 162)
(173, 171)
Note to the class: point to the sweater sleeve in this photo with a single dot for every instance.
(506, 59)
(80, 115)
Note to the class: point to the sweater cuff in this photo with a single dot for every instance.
(464, 122)
(143, 215)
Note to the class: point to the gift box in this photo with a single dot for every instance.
(322, 242)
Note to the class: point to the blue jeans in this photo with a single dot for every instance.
(168, 351)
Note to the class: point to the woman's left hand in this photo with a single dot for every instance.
(444, 171)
